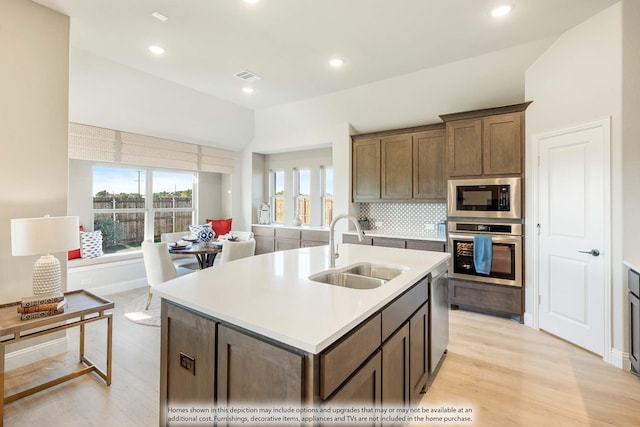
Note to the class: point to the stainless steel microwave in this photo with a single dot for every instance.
(485, 198)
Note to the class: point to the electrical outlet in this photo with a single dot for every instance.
(430, 227)
(188, 363)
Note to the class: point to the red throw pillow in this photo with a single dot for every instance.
(75, 253)
(220, 226)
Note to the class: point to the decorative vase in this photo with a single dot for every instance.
(204, 232)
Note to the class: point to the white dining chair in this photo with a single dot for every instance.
(180, 260)
(157, 265)
(237, 250)
(241, 235)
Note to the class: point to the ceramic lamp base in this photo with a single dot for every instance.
(47, 278)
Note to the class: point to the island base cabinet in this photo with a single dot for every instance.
(364, 387)
(395, 370)
(419, 354)
(254, 372)
(187, 379)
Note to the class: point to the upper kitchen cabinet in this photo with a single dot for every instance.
(429, 171)
(486, 142)
(396, 177)
(400, 165)
(366, 170)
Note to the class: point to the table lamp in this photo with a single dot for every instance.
(43, 236)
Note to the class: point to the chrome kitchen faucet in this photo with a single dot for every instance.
(333, 253)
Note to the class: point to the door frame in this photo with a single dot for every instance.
(605, 124)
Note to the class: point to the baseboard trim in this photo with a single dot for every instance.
(528, 320)
(26, 356)
(620, 359)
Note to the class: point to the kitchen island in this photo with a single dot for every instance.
(259, 331)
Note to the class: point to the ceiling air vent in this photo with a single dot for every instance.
(247, 76)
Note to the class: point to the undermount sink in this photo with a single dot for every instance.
(358, 276)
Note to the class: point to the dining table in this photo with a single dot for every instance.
(205, 253)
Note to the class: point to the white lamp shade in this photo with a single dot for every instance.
(37, 236)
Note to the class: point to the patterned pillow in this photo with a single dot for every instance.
(91, 244)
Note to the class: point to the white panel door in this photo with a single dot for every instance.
(571, 203)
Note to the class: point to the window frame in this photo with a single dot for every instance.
(274, 198)
(148, 211)
(324, 196)
(299, 196)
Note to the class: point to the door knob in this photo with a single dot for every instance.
(593, 252)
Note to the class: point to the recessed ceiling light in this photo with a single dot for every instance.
(251, 1)
(156, 50)
(501, 10)
(336, 62)
(159, 16)
(248, 90)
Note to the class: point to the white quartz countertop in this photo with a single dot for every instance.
(271, 294)
(401, 235)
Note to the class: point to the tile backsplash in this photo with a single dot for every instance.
(403, 217)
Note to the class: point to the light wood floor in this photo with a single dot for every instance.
(506, 373)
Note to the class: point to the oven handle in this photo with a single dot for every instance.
(499, 239)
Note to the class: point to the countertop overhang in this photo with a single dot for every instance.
(271, 294)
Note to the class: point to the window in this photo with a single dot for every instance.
(119, 207)
(277, 196)
(120, 204)
(303, 195)
(327, 194)
(172, 202)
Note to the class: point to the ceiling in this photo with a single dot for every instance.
(289, 42)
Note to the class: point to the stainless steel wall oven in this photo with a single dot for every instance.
(506, 261)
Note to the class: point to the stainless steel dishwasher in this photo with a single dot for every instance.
(439, 316)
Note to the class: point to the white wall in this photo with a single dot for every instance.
(489, 80)
(631, 128)
(34, 75)
(107, 94)
(578, 80)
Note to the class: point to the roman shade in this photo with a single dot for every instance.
(113, 146)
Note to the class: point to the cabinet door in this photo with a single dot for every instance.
(502, 144)
(634, 331)
(254, 371)
(464, 147)
(264, 244)
(389, 242)
(187, 360)
(395, 370)
(419, 354)
(285, 244)
(396, 169)
(364, 387)
(429, 171)
(366, 170)
(350, 238)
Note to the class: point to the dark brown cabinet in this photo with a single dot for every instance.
(429, 169)
(252, 370)
(364, 387)
(396, 170)
(502, 144)
(393, 242)
(634, 319)
(464, 148)
(366, 170)
(419, 354)
(395, 370)
(400, 165)
(486, 142)
(188, 343)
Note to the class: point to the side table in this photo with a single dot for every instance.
(82, 307)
